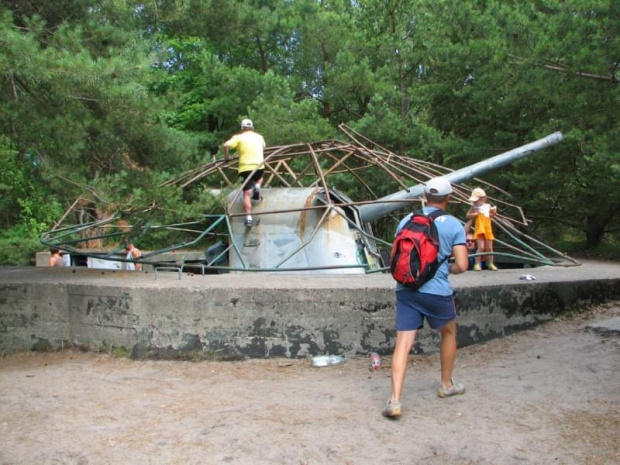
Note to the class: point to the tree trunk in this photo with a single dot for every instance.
(596, 223)
(594, 235)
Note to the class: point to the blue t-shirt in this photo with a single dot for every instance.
(451, 233)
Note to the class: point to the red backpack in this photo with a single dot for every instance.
(414, 260)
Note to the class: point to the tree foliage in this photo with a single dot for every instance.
(107, 98)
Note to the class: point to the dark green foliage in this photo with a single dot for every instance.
(18, 245)
(108, 99)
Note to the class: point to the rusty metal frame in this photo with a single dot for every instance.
(353, 158)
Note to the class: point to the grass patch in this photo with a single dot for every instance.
(120, 352)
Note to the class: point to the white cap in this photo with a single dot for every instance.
(438, 186)
(477, 194)
(247, 124)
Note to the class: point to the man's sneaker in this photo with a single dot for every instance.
(248, 223)
(391, 410)
(477, 267)
(256, 193)
(492, 267)
(453, 390)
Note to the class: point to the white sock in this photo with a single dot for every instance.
(248, 217)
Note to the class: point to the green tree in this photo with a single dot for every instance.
(564, 62)
(106, 98)
(75, 100)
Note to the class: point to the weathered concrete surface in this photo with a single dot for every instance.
(606, 328)
(275, 314)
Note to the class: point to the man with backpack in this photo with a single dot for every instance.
(429, 298)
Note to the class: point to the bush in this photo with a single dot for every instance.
(18, 246)
(609, 249)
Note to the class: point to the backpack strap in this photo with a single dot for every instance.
(434, 215)
(437, 213)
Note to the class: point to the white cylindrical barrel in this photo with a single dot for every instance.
(374, 211)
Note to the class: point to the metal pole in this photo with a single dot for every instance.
(370, 213)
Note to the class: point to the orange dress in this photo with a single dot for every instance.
(482, 227)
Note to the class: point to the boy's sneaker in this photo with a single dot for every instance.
(391, 410)
(248, 223)
(256, 193)
(492, 267)
(453, 390)
(477, 267)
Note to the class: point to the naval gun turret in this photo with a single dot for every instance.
(320, 229)
(306, 221)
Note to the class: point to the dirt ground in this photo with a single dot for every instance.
(545, 396)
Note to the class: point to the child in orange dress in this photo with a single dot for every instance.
(482, 212)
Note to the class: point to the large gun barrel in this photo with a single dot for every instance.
(373, 211)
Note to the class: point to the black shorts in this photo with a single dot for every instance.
(255, 177)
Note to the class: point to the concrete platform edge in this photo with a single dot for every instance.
(228, 321)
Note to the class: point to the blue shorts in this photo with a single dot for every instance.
(413, 307)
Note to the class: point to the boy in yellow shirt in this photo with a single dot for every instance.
(249, 145)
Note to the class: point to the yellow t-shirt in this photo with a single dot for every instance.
(249, 146)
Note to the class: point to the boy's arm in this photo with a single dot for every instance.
(226, 147)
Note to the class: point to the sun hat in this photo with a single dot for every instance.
(438, 187)
(247, 124)
(477, 194)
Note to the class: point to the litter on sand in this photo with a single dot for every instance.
(327, 360)
(527, 277)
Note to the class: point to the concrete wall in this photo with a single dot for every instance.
(167, 319)
(33, 317)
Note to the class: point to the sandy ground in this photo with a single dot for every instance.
(545, 396)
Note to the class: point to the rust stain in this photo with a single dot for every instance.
(303, 217)
(334, 222)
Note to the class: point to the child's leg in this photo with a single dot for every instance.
(480, 242)
(490, 265)
(488, 246)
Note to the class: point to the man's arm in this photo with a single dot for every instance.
(461, 262)
(135, 253)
